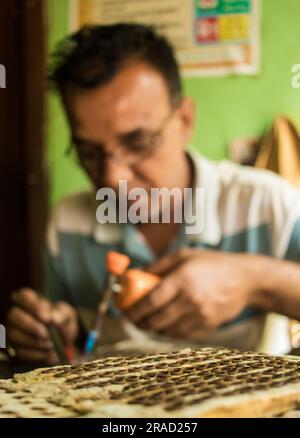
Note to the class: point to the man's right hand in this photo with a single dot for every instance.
(27, 332)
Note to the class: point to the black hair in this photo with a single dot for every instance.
(93, 55)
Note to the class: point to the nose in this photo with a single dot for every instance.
(114, 171)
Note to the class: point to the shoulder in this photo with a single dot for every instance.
(246, 198)
(236, 175)
(232, 177)
(73, 214)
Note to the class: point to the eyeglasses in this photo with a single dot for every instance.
(136, 147)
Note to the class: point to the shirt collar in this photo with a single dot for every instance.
(207, 178)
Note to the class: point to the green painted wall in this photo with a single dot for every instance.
(227, 107)
(65, 176)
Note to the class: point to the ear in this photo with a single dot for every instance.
(187, 112)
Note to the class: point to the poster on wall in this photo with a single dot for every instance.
(211, 37)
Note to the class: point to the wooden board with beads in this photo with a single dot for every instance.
(189, 383)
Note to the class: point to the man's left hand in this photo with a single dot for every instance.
(199, 291)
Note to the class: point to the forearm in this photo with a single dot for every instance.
(275, 284)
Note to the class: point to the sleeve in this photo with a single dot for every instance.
(55, 287)
(293, 249)
(286, 220)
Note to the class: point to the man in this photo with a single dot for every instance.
(121, 91)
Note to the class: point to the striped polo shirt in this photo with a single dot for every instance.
(245, 210)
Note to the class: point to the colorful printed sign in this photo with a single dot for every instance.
(211, 37)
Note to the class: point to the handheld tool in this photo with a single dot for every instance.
(130, 285)
(116, 264)
(64, 352)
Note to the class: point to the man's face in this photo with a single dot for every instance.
(124, 116)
